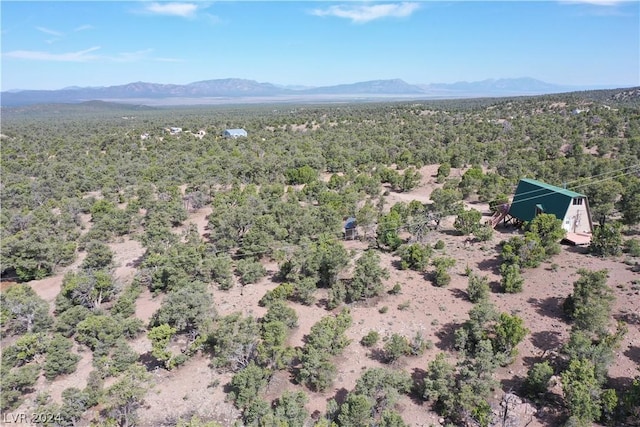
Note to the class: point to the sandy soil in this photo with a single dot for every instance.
(434, 312)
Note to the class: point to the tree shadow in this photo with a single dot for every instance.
(633, 353)
(549, 307)
(446, 336)
(491, 265)
(378, 354)
(340, 396)
(628, 318)
(322, 303)
(417, 376)
(397, 264)
(149, 362)
(459, 293)
(621, 384)
(496, 287)
(547, 340)
(574, 249)
(514, 384)
(136, 262)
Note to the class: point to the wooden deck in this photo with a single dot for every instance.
(578, 239)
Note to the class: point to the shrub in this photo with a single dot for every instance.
(511, 280)
(414, 256)
(397, 288)
(395, 347)
(632, 247)
(483, 233)
(538, 379)
(60, 360)
(606, 240)
(478, 288)
(250, 271)
(370, 339)
(468, 222)
(441, 276)
(439, 245)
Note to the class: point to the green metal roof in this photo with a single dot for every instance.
(529, 193)
(560, 190)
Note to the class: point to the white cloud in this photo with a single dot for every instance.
(365, 13)
(184, 10)
(80, 56)
(86, 56)
(50, 32)
(83, 28)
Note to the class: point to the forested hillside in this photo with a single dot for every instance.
(152, 277)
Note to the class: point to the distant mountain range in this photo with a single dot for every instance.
(242, 90)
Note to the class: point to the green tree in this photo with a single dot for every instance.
(356, 411)
(74, 404)
(549, 229)
(446, 202)
(123, 399)
(220, 271)
(99, 332)
(602, 197)
(440, 385)
(370, 339)
(600, 351)
(606, 240)
(383, 386)
(478, 288)
(22, 310)
(233, 341)
(629, 204)
(395, 347)
(15, 384)
(441, 276)
(316, 369)
(527, 251)
(509, 332)
(387, 231)
(591, 302)
(89, 288)
(511, 280)
(367, 279)
(538, 377)
(414, 256)
(250, 271)
(366, 218)
(187, 309)
(289, 408)
(99, 256)
(443, 171)
(60, 360)
(581, 392)
(468, 221)
(160, 337)
(246, 385)
(67, 321)
(410, 179)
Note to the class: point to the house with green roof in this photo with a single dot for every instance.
(534, 197)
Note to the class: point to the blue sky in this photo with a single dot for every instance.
(51, 44)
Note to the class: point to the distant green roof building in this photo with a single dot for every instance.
(534, 197)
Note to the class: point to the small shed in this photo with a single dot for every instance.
(350, 229)
(535, 197)
(235, 133)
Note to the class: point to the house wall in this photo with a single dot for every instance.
(576, 220)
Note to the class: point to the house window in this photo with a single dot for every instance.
(577, 201)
